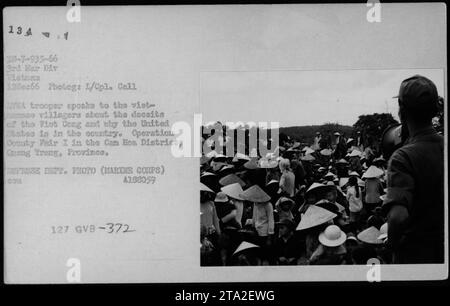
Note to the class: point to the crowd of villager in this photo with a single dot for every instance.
(300, 204)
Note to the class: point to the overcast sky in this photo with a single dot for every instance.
(304, 97)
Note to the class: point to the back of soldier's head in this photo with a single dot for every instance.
(418, 99)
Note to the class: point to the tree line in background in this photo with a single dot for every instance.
(370, 128)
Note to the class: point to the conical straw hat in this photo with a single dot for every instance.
(226, 167)
(343, 181)
(355, 153)
(203, 187)
(296, 145)
(361, 183)
(255, 194)
(340, 207)
(251, 164)
(383, 231)
(216, 166)
(211, 154)
(284, 200)
(207, 174)
(220, 156)
(231, 179)
(315, 216)
(272, 182)
(307, 157)
(342, 161)
(353, 173)
(233, 191)
(370, 235)
(373, 172)
(319, 187)
(329, 174)
(309, 151)
(244, 246)
(326, 152)
(379, 159)
(240, 156)
(314, 186)
(327, 205)
(265, 163)
(221, 197)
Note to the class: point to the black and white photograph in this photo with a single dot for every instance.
(202, 148)
(359, 158)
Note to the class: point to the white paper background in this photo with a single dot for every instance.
(164, 50)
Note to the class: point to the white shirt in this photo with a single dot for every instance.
(355, 203)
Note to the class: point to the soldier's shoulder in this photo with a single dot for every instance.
(401, 156)
(402, 152)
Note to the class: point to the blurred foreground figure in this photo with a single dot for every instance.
(415, 180)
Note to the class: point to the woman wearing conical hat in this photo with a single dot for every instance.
(332, 197)
(316, 144)
(233, 192)
(373, 187)
(283, 209)
(209, 225)
(208, 213)
(314, 193)
(247, 254)
(311, 224)
(370, 238)
(226, 212)
(262, 218)
(272, 174)
(355, 161)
